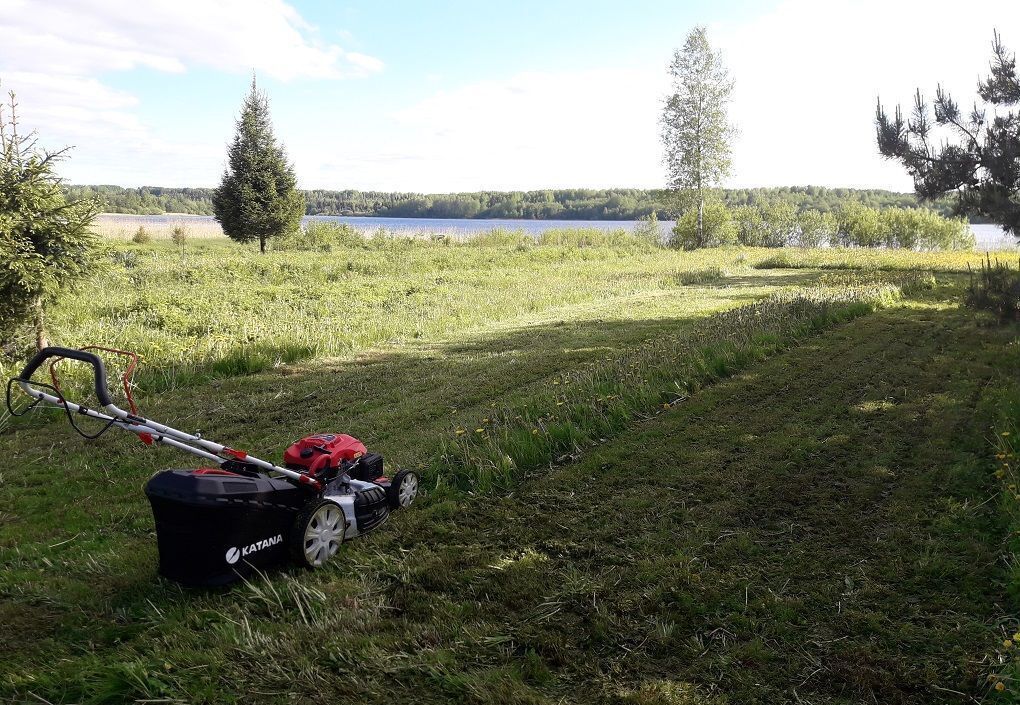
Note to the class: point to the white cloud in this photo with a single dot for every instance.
(808, 74)
(84, 37)
(53, 53)
(533, 130)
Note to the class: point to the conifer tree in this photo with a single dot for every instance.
(981, 166)
(258, 197)
(46, 241)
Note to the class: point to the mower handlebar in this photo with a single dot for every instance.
(102, 390)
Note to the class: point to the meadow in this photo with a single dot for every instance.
(733, 475)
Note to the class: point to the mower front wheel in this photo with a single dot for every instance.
(403, 489)
(317, 534)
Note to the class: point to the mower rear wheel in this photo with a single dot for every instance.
(403, 489)
(317, 534)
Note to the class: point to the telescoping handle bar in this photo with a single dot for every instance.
(146, 429)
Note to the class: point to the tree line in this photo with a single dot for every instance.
(566, 204)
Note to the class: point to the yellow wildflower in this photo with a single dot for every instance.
(1007, 644)
(1000, 686)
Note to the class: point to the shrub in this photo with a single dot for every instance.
(997, 289)
(179, 235)
(141, 236)
(858, 226)
(719, 228)
(320, 237)
(814, 229)
(779, 220)
(750, 226)
(649, 230)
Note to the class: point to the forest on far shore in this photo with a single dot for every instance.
(565, 204)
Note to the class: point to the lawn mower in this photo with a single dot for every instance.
(238, 514)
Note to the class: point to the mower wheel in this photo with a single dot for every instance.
(317, 534)
(403, 489)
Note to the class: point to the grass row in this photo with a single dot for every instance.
(592, 403)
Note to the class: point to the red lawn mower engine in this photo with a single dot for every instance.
(214, 525)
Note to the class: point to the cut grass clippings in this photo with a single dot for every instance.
(589, 404)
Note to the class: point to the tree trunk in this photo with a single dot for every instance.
(701, 221)
(262, 244)
(39, 321)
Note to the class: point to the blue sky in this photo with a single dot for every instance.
(454, 96)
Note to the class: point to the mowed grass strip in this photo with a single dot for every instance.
(795, 532)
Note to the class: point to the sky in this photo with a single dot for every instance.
(467, 96)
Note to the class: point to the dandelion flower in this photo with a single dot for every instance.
(1008, 644)
(1000, 686)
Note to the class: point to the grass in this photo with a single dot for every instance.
(713, 509)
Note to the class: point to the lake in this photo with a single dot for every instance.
(989, 237)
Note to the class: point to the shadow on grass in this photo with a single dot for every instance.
(809, 528)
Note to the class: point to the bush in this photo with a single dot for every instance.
(858, 226)
(179, 235)
(320, 237)
(780, 221)
(649, 230)
(815, 229)
(141, 236)
(719, 228)
(996, 289)
(750, 225)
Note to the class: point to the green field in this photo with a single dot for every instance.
(652, 477)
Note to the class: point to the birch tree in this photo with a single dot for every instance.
(696, 131)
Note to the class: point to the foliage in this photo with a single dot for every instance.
(858, 226)
(46, 244)
(141, 236)
(981, 167)
(257, 198)
(320, 237)
(696, 131)
(571, 204)
(815, 229)
(648, 229)
(996, 288)
(179, 236)
(712, 227)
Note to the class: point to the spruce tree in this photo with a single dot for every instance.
(257, 198)
(696, 131)
(46, 241)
